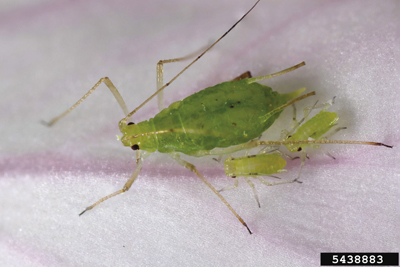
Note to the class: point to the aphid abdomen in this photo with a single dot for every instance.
(313, 128)
(254, 165)
(229, 114)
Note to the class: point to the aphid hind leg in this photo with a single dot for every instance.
(192, 168)
(110, 86)
(126, 187)
(160, 74)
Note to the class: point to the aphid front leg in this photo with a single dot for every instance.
(110, 86)
(126, 187)
(250, 183)
(235, 184)
(192, 168)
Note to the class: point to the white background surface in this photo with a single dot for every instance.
(52, 52)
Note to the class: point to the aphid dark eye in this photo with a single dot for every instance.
(131, 123)
(299, 149)
(233, 176)
(135, 147)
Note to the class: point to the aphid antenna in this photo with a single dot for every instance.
(124, 120)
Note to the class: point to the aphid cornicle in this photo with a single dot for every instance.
(215, 121)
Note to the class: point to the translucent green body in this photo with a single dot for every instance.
(313, 128)
(262, 164)
(226, 114)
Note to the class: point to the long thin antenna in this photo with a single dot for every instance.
(124, 120)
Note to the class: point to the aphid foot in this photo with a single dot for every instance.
(45, 123)
(248, 229)
(89, 208)
(382, 144)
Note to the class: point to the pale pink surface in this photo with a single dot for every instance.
(53, 52)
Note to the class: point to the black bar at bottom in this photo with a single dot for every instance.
(359, 259)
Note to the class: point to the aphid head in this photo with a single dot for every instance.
(230, 167)
(138, 136)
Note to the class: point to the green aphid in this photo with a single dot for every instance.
(315, 128)
(217, 120)
(255, 166)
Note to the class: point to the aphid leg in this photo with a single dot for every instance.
(323, 106)
(296, 124)
(327, 153)
(262, 180)
(273, 176)
(329, 135)
(254, 190)
(235, 184)
(160, 71)
(333, 132)
(303, 157)
(242, 76)
(192, 168)
(268, 150)
(126, 187)
(306, 112)
(218, 159)
(110, 86)
(283, 154)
